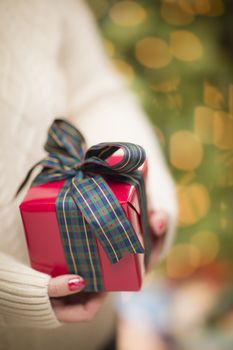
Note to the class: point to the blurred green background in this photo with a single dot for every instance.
(174, 56)
(177, 57)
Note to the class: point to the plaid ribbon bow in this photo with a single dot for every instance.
(85, 206)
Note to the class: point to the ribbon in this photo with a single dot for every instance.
(85, 206)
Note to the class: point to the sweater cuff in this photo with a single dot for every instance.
(24, 300)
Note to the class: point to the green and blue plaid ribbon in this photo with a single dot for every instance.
(85, 206)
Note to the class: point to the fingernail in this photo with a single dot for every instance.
(161, 226)
(76, 284)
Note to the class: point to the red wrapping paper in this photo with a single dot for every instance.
(44, 242)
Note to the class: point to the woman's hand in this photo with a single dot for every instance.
(68, 303)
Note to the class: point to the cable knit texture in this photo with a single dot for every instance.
(24, 295)
(52, 64)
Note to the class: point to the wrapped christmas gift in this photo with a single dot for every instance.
(86, 213)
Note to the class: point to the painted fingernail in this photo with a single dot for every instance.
(161, 226)
(76, 284)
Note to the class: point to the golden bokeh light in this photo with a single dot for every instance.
(213, 97)
(169, 85)
(193, 203)
(202, 6)
(208, 244)
(124, 68)
(214, 127)
(187, 6)
(198, 7)
(186, 151)
(127, 13)
(223, 130)
(182, 260)
(185, 45)
(174, 14)
(203, 123)
(152, 52)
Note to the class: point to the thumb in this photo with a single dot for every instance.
(64, 285)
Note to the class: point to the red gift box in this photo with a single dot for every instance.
(44, 242)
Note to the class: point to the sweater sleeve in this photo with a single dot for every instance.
(105, 110)
(24, 300)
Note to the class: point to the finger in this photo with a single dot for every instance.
(158, 222)
(79, 312)
(64, 285)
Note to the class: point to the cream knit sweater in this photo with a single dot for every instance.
(52, 64)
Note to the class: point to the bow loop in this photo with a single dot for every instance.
(66, 148)
(131, 157)
(63, 138)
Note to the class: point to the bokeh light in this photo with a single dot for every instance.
(213, 97)
(174, 14)
(194, 203)
(185, 46)
(214, 127)
(153, 52)
(197, 7)
(186, 151)
(182, 260)
(223, 130)
(208, 244)
(127, 13)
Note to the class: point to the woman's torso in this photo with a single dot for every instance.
(32, 94)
